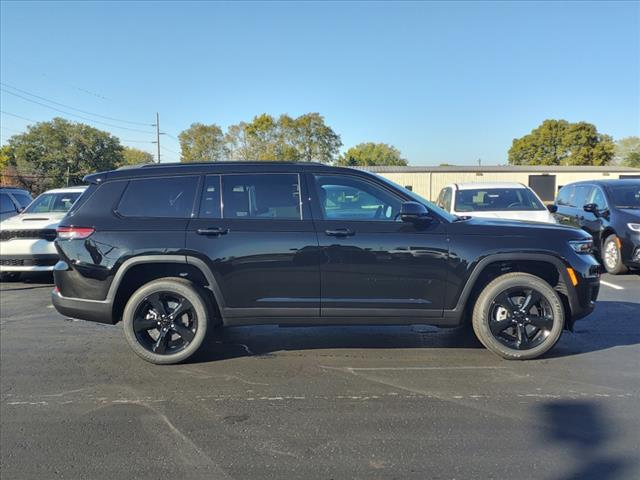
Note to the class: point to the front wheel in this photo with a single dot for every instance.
(518, 316)
(165, 321)
(612, 256)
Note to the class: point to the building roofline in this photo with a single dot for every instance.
(498, 168)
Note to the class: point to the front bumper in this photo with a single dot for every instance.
(91, 310)
(28, 262)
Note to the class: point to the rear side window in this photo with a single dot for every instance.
(168, 197)
(273, 195)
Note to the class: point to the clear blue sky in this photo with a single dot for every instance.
(444, 82)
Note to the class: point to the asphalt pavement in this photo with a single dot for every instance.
(317, 403)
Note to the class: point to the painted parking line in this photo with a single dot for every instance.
(611, 285)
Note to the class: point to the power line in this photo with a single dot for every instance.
(19, 116)
(169, 150)
(73, 108)
(74, 114)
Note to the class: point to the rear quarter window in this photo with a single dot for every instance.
(164, 197)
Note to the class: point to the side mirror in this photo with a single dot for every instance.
(591, 208)
(414, 212)
(553, 208)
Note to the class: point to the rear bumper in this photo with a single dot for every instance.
(91, 310)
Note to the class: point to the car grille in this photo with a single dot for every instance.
(45, 234)
(27, 262)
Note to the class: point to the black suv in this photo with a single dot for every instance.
(610, 211)
(175, 251)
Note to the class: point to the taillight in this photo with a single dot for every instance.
(74, 233)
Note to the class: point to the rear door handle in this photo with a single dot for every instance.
(212, 231)
(340, 232)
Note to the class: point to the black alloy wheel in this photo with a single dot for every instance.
(518, 316)
(165, 323)
(521, 318)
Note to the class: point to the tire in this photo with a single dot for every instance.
(501, 326)
(166, 340)
(9, 276)
(612, 257)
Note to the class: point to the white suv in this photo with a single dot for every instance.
(508, 200)
(26, 240)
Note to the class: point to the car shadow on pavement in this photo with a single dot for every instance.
(594, 333)
(601, 331)
(580, 429)
(234, 342)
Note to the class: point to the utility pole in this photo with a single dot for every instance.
(158, 134)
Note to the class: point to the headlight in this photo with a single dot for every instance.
(582, 246)
(634, 226)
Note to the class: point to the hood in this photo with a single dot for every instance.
(32, 221)
(505, 227)
(524, 215)
(631, 214)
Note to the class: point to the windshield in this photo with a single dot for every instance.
(431, 206)
(625, 196)
(53, 202)
(496, 199)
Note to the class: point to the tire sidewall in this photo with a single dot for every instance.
(483, 306)
(619, 267)
(181, 287)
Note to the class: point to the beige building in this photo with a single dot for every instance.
(545, 180)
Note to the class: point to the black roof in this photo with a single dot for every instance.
(168, 169)
(607, 182)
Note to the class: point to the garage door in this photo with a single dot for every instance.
(544, 186)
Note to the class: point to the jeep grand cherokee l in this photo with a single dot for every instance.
(174, 251)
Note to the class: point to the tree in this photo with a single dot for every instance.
(202, 143)
(368, 154)
(313, 139)
(305, 138)
(628, 152)
(60, 152)
(558, 142)
(134, 156)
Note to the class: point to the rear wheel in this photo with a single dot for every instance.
(165, 321)
(518, 316)
(612, 257)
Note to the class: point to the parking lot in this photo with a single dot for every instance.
(349, 402)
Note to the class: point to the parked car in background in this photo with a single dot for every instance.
(513, 201)
(174, 251)
(610, 211)
(13, 201)
(26, 240)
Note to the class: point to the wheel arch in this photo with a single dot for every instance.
(544, 265)
(137, 271)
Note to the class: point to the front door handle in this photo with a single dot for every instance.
(340, 232)
(212, 231)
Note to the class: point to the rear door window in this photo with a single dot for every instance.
(210, 206)
(166, 197)
(261, 196)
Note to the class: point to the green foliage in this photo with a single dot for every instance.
(306, 138)
(6, 155)
(368, 154)
(49, 152)
(202, 143)
(558, 142)
(628, 151)
(134, 156)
